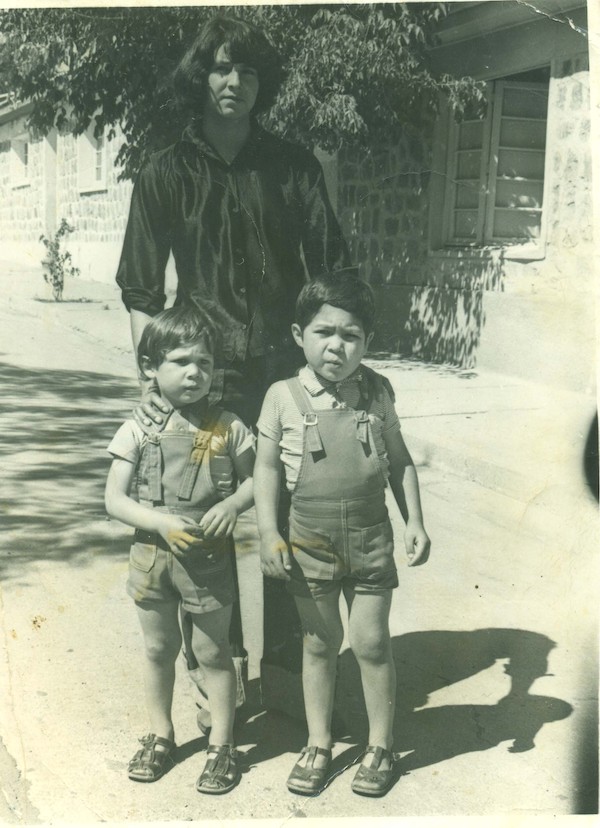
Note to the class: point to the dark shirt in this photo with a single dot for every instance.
(245, 236)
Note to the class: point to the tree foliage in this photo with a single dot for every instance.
(355, 72)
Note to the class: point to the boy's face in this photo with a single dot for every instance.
(184, 375)
(232, 88)
(334, 342)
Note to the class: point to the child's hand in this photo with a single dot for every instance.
(178, 532)
(417, 543)
(275, 558)
(220, 520)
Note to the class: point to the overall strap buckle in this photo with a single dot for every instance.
(362, 427)
(311, 430)
(153, 461)
(190, 475)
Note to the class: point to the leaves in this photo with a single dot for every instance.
(355, 72)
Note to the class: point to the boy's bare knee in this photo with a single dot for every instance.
(371, 648)
(213, 655)
(162, 650)
(322, 647)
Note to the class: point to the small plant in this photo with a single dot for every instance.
(57, 263)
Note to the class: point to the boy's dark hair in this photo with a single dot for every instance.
(244, 43)
(178, 327)
(342, 289)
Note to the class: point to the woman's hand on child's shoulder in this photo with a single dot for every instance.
(151, 409)
(275, 560)
(417, 543)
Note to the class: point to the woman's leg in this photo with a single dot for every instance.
(369, 635)
(322, 638)
(162, 642)
(210, 642)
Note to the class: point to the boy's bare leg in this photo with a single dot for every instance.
(162, 642)
(210, 642)
(369, 635)
(322, 638)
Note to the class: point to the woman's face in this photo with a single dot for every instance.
(232, 88)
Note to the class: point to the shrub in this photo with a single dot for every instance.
(57, 263)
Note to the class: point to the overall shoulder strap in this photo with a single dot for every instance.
(311, 428)
(199, 449)
(300, 396)
(152, 454)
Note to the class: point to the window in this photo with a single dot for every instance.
(19, 162)
(495, 174)
(91, 161)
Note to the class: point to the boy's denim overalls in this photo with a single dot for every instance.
(339, 524)
(176, 474)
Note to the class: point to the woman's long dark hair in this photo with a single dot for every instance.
(244, 43)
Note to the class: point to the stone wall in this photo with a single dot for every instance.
(383, 209)
(51, 193)
(530, 317)
(98, 217)
(21, 205)
(569, 198)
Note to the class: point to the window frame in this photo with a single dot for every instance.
(441, 243)
(88, 152)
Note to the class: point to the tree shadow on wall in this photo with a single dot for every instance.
(428, 661)
(441, 321)
(55, 429)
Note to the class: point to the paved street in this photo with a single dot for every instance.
(494, 639)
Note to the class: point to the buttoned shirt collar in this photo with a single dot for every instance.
(316, 385)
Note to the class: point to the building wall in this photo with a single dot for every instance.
(22, 217)
(472, 308)
(99, 218)
(534, 318)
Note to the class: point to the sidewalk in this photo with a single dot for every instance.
(511, 435)
(494, 640)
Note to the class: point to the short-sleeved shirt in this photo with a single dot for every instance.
(230, 438)
(280, 419)
(245, 236)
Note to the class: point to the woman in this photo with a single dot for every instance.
(247, 218)
(240, 210)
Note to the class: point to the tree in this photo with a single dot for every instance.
(355, 72)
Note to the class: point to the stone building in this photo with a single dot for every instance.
(60, 176)
(477, 236)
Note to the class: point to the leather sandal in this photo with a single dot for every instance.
(306, 779)
(373, 781)
(221, 772)
(149, 764)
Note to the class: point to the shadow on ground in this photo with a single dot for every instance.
(426, 662)
(429, 661)
(55, 429)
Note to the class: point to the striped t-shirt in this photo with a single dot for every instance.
(281, 420)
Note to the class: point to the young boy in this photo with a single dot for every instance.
(335, 430)
(184, 510)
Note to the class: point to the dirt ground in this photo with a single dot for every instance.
(494, 640)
